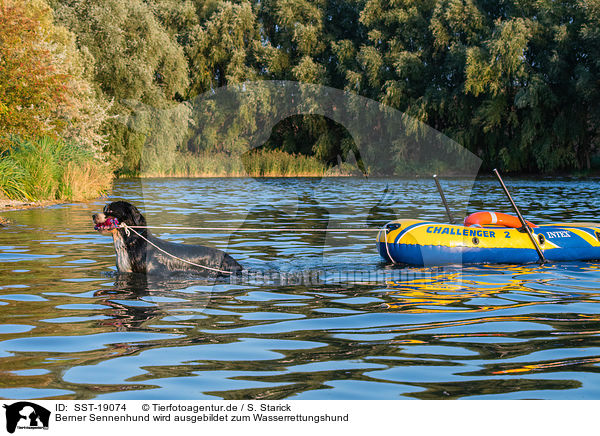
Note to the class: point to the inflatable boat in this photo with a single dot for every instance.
(486, 237)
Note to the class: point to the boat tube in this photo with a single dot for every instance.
(426, 243)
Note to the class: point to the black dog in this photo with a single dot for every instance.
(136, 254)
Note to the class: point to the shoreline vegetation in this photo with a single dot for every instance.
(51, 170)
(47, 171)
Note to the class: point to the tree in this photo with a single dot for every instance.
(525, 75)
(224, 49)
(137, 61)
(587, 75)
(516, 82)
(44, 87)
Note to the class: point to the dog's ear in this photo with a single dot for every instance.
(137, 218)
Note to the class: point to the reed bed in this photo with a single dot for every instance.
(256, 163)
(49, 169)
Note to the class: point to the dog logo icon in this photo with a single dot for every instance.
(26, 415)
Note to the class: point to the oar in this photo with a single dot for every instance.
(523, 222)
(439, 188)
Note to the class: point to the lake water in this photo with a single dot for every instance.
(317, 316)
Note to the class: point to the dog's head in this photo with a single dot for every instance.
(116, 213)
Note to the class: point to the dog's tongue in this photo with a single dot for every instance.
(109, 224)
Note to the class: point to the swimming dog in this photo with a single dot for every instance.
(147, 254)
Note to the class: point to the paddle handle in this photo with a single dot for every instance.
(439, 188)
(523, 222)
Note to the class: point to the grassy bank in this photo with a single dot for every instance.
(258, 163)
(47, 169)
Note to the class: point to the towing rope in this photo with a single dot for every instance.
(257, 229)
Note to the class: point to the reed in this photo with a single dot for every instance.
(255, 163)
(275, 163)
(49, 169)
(12, 179)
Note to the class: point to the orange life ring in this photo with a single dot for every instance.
(494, 218)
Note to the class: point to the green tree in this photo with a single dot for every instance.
(525, 75)
(225, 48)
(137, 61)
(517, 81)
(309, 41)
(587, 75)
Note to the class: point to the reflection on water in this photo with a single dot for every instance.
(71, 328)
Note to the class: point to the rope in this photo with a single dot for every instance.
(256, 229)
(128, 228)
(385, 231)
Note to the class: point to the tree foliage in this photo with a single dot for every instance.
(44, 82)
(517, 82)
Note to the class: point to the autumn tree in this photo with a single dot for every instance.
(44, 79)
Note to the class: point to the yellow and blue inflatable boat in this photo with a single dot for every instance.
(426, 243)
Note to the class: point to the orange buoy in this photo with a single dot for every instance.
(494, 218)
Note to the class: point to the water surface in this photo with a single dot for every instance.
(318, 317)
